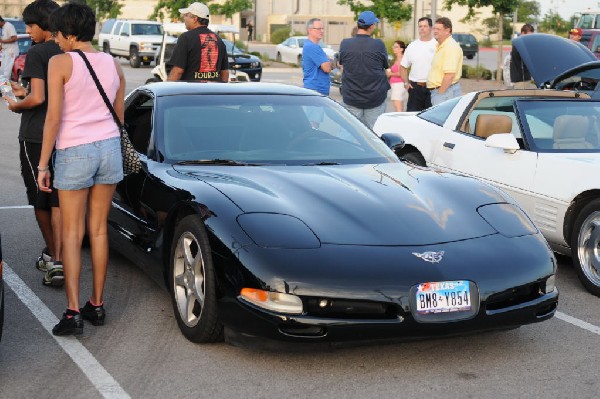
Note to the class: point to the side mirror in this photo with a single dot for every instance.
(504, 141)
(393, 140)
(124, 34)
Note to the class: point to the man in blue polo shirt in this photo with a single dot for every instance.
(315, 63)
(364, 61)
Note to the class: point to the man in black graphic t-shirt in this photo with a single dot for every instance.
(200, 55)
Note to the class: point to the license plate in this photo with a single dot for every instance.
(443, 297)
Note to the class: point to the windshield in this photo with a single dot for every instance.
(231, 48)
(264, 129)
(561, 125)
(146, 29)
(24, 45)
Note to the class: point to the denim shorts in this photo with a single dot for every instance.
(86, 165)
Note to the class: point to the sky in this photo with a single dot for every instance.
(566, 8)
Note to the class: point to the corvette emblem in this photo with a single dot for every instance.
(430, 256)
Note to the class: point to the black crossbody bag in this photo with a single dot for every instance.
(131, 159)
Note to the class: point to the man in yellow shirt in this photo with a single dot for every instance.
(446, 67)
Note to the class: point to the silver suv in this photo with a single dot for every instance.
(135, 40)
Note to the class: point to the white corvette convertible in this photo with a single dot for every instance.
(540, 146)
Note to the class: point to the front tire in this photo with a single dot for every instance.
(134, 58)
(470, 56)
(106, 48)
(278, 57)
(585, 246)
(300, 60)
(192, 282)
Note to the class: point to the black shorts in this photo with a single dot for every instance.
(29, 153)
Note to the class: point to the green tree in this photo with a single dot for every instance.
(104, 9)
(169, 9)
(390, 10)
(552, 22)
(528, 11)
(500, 8)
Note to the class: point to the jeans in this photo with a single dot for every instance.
(453, 91)
(367, 115)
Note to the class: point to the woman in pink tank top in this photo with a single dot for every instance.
(87, 163)
(399, 94)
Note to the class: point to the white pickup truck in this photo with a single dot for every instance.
(135, 40)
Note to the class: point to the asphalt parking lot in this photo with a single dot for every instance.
(141, 353)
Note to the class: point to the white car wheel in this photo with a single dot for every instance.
(586, 246)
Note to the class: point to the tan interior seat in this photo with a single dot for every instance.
(570, 131)
(488, 124)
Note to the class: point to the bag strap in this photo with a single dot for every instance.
(101, 90)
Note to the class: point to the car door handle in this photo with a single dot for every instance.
(449, 145)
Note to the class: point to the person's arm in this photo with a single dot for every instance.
(119, 103)
(326, 66)
(56, 81)
(404, 75)
(36, 96)
(446, 82)
(225, 75)
(11, 39)
(175, 74)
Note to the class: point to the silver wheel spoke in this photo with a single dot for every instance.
(589, 248)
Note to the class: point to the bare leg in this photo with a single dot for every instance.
(397, 106)
(56, 233)
(72, 212)
(43, 219)
(99, 206)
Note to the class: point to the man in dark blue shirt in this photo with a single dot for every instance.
(364, 61)
(315, 63)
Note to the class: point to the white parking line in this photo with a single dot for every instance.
(93, 370)
(16, 207)
(579, 323)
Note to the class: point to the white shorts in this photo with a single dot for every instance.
(399, 92)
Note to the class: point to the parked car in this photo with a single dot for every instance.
(290, 50)
(135, 40)
(576, 69)
(241, 61)
(24, 44)
(263, 226)
(468, 44)
(541, 146)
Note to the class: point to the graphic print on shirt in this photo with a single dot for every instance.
(209, 57)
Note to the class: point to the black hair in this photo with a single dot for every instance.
(203, 21)
(363, 27)
(1, 19)
(38, 13)
(74, 19)
(426, 19)
(527, 28)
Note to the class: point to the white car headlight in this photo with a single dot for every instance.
(273, 301)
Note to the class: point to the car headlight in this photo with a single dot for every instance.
(274, 230)
(254, 64)
(507, 219)
(550, 284)
(273, 301)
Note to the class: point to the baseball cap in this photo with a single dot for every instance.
(367, 18)
(198, 9)
(577, 31)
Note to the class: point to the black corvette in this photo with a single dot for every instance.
(270, 211)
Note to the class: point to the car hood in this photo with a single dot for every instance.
(245, 57)
(548, 56)
(388, 204)
(152, 39)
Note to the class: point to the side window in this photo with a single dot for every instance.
(117, 30)
(493, 106)
(107, 26)
(125, 30)
(138, 119)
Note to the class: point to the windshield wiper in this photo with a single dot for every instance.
(229, 162)
(324, 163)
